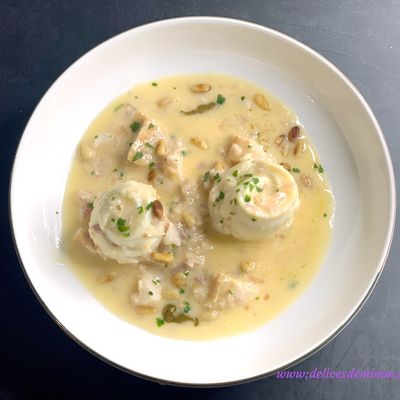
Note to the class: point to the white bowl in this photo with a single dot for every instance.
(337, 118)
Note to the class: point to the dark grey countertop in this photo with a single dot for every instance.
(40, 39)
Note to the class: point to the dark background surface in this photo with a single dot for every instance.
(39, 40)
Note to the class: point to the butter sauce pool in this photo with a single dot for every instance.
(282, 266)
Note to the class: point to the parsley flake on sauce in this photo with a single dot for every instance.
(138, 155)
(140, 209)
(220, 99)
(319, 168)
(160, 322)
(135, 126)
(186, 307)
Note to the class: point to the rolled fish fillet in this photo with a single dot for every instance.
(253, 200)
(122, 224)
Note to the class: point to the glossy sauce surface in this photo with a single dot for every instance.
(284, 264)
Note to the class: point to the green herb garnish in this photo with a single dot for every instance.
(152, 165)
(154, 84)
(319, 167)
(242, 98)
(186, 307)
(296, 170)
(160, 322)
(135, 126)
(235, 173)
(138, 155)
(206, 176)
(140, 209)
(151, 125)
(181, 290)
(121, 225)
(221, 195)
(149, 145)
(89, 205)
(247, 198)
(150, 205)
(220, 99)
(217, 177)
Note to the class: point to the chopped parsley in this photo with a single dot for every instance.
(254, 219)
(247, 198)
(259, 190)
(186, 273)
(206, 176)
(150, 293)
(235, 173)
(120, 173)
(160, 322)
(92, 173)
(89, 205)
(296, 170)
(140, 209)
(152, 165)
(138, 155)
(186, 307)
(154, 84)
(121, 225)
(156, 280)
(319, 168)
(220, 99)
(181, 290)
(149, 145)
(217, 177)
(242, 98)
(325, 215)
(221, 195)
(150, 205)
(184, 153)
(151, 125)
(256, 180)
(135, 126)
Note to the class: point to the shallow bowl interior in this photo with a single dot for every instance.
(340, 124)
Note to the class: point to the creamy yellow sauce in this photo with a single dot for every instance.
(285, 263)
